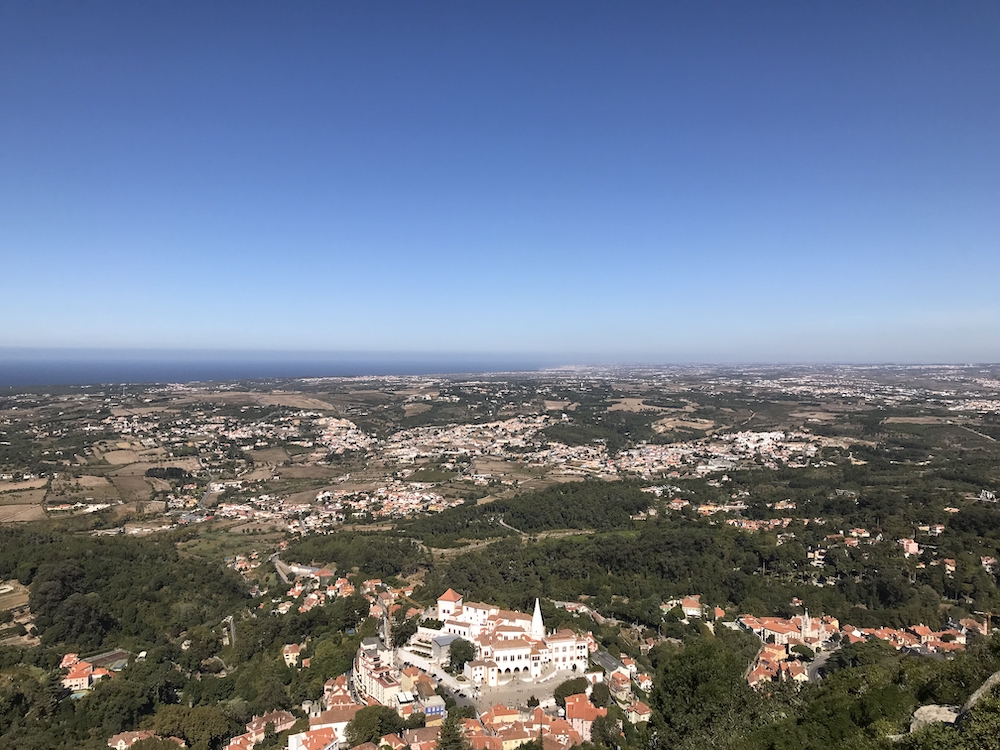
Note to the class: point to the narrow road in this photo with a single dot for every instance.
(208, 491)
(283, 570)
(753, 661)
(508, 526)
(818, 663)
(969, 429)
(454, 551)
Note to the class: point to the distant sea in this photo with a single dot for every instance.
(41, 367)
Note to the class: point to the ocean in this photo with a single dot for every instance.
(41, 367)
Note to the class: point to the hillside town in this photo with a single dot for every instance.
(367, 541)
(515, 654)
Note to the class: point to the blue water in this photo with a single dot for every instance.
(38, 367)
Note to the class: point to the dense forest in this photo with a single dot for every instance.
(701, 700)
(89, 592)
(201, 693)
(629, 574)
(375, 555)
(578, 505)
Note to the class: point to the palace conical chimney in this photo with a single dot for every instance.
(537, 626)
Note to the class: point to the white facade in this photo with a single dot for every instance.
(567, 651)
(447, 603)
(510, 643)
(374, 674)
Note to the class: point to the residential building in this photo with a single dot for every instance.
(581, 713)
(374, 674)
(638, 712)
(314, 739)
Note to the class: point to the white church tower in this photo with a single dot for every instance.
(537, 626)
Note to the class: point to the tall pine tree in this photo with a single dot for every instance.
(451, 737)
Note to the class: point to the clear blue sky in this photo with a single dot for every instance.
(606, 181)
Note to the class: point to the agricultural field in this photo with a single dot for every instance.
(21, 513)
(22, 497)
(132, 488)
(12, 595)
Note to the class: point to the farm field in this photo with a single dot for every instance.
(12, 595)
(132, 488)
(31, 484)
(21, 513)
(22, 497)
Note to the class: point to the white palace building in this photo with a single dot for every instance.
(510, 643)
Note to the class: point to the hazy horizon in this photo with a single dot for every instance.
(31, 367)
(689, 182)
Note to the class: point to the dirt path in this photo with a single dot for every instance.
(969, 429)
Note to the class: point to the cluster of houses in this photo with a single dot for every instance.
(717, 453)
(620, 680)
(320, 585)
(769, 524)
(278, 721)
(410, 691)
(517, 439)
(775, 664)
(779, 659)
(244, 564)
(341, 436)
(793, 449)
(127, 739)
(514, 439)
(394, 500)
(918, 637)
(710, 509)
(500, 439)
(314, 587)
(328, 719)
(981, 405)
(331, 507)
(573, 460)
(653, 459)
(503, 727)
(499, 728)
(82, 674)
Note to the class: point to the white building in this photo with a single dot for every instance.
(373, 673)
(508, 642)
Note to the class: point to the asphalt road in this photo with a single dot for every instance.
(283, 570)
(817, 664)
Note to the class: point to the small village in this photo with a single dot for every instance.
(516, 662)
